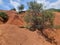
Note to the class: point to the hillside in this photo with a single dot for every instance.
(11, 34)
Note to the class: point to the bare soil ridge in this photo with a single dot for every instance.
(11, 34)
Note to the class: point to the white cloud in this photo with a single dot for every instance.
(24, 9)
(40, 1)
(55, 4)
(15, 4)
(1, 2)
(44, 2)
(48, 4)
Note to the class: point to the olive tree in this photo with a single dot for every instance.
(37, 17)
(21, 7)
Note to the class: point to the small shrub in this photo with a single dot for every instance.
(21, 8)
(57, 26)
(48, 19)
(4, 16)
(40, 19)
(13, 9)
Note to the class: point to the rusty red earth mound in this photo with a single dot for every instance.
(11, 34)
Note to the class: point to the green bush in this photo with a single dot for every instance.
(57, 26)
(4, 16)
(37, 17)
(13, 9)
(48, 17)
(21, 8)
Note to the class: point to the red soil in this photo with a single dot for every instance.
(15, 18)
(57, 18)
(11, 34)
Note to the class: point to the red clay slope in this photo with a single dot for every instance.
(15, 18)
(11, 34)
(57, 18)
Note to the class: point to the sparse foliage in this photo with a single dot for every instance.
(48, 19)
(37, 17)
(21, 7)
(4, 16)
(34, 10)
(13, 9)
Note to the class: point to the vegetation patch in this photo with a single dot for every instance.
(57, 26)
(54, 10)
(38, 18)
(4, 16)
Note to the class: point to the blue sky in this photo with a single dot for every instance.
(7, 4)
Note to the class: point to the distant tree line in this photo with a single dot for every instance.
(20, 8)
(52, 9)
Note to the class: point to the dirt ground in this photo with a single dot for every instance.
(12, 34)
